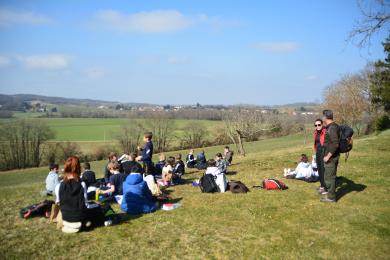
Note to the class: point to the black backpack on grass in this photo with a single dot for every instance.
(207, 184)
(237, 187)
(346, 141)
(42, 209)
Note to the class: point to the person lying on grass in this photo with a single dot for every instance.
(220, 177)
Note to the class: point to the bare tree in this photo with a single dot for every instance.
(194, 135)
(21, 143)
(349, 99)
(129, 136)
(375, 18)
(248, 124)
(161, 126)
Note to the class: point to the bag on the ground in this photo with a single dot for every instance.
(346, 141)
(207, 184)
(237, 187)
(40, 209)
(273, 184)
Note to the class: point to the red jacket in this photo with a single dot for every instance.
(322, 138)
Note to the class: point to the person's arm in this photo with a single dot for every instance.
(334, 139)
(85, 193)
(176, 169)
(111, 189)
(57, 192)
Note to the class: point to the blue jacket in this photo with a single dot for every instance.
(147, 152)
(137, 198)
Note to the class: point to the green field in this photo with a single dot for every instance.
(90, 133)
(290, 224)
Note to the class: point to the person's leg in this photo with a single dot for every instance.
(95, 216)
(330, 179)
(320, 167)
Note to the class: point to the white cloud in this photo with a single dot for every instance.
(277, 46)
(311, 77)
(49, 62)
(4, 61)
(95, 72)
(160, 21)
(10, 17)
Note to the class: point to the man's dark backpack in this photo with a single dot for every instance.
(237, 187)
(207, 184)
(346, 141)
(39, 209)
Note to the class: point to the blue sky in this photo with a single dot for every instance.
(179, 52)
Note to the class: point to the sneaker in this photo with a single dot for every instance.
(326, 199)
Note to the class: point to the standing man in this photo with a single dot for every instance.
(147, 154)
(331, 156)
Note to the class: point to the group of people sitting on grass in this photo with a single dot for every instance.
(137, 188)
(200, 161)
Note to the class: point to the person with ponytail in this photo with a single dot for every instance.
(71, 194)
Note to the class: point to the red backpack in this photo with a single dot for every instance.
(273, 184)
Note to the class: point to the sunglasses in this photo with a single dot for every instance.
(318, 125)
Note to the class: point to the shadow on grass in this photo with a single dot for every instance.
(231, 173)
(345, 186)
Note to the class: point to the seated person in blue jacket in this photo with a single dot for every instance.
(52, 179)
(191, 161)
(178, 170)
(115, 185)
(147, 153)
(201, 162)
(137, 197)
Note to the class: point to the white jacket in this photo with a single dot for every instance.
(220, 180)
(303, 170)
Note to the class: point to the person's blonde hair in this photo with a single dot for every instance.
(115, 166)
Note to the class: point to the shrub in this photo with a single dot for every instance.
(382, 123)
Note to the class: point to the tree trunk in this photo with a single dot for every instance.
(241, 149)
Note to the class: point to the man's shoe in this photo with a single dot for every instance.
(326, 199)
(321, 190)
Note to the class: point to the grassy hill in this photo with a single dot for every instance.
(260, 224)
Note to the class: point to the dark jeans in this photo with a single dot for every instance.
(320, 165)
(148, 168)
